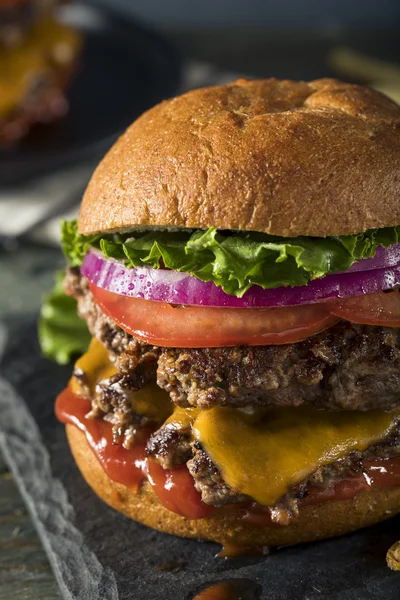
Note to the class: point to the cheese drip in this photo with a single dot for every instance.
(47, 47)
(266, 453)
(95, 365)
(150, 400)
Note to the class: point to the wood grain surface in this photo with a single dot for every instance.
(25, 573)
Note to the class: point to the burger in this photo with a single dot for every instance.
(237, 262)
(37, 59)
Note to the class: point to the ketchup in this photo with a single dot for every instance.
(230, 550)
(176, 491)
(121, 465)
(130, 467)
(235, 589)
(175, 488)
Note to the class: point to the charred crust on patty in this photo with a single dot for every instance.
(171, 447)
(347, 367)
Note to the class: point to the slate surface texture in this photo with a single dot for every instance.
(98, 554)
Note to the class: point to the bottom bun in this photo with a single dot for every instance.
(314, 522)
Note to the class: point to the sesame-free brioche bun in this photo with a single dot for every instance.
(283, 157)
(314, 522)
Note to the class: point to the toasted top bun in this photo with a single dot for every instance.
(313, 523)
(283, 157)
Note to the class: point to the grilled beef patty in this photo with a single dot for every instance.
(347, 367)
(115, 403)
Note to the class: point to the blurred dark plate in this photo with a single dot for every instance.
(123, 70)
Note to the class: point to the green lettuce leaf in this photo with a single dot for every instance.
(232, 260)
(74, 244)
(62, 334)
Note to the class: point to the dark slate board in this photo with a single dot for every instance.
(98, 554)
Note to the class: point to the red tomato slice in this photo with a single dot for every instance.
(162, 324)
(381, 308)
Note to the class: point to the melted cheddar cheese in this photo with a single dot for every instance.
(96, 367)
(183, 417)
(48, 46)
(266, 453)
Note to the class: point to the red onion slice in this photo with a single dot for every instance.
(163, 285)
(384, 257)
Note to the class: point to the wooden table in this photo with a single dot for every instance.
(25, 573)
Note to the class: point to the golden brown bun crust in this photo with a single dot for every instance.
(287, 158)
(314, 522)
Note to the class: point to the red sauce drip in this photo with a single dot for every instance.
(229, 550)
(221, 591)
(232, 589)
(175, 488)
(176, 491)
(121, 465)
(130, 467)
